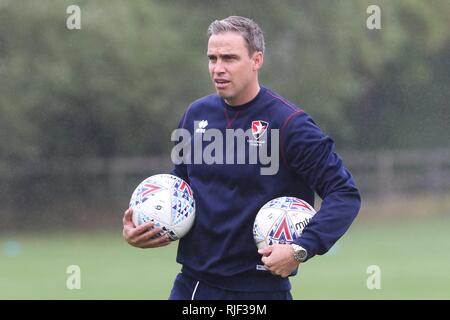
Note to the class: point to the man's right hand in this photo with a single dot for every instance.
(140, 236)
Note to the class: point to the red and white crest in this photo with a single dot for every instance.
(259, 128)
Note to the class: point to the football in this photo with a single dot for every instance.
(168, 201)
(281, 220)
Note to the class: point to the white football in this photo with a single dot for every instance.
(281, 220)
(168, 201)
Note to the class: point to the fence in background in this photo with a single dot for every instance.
(34, 189)
(377, 173)
(387, 173)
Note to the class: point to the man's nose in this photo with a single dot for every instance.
(218, 67)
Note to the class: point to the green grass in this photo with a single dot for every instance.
(414, 257)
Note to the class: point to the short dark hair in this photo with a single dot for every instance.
(249, 30)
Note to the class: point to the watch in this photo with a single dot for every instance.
(300, 253)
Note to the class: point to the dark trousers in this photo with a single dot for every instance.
(187, 288)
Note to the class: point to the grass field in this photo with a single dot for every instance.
(413, 255)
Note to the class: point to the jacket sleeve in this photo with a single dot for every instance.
(310, 154)
(180, 170)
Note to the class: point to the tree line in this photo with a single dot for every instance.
(119, 85)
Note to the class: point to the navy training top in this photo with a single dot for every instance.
(219, 249)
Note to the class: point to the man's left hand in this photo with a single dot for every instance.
(279, 259)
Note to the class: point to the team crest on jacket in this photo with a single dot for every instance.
(259, 128)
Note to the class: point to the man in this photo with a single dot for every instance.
(218, 255)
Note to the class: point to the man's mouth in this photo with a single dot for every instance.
(221, 83)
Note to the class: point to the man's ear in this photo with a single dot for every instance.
(258, 59)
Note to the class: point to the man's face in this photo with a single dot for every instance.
(233, 72)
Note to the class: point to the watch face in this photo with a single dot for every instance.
(300, 253)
